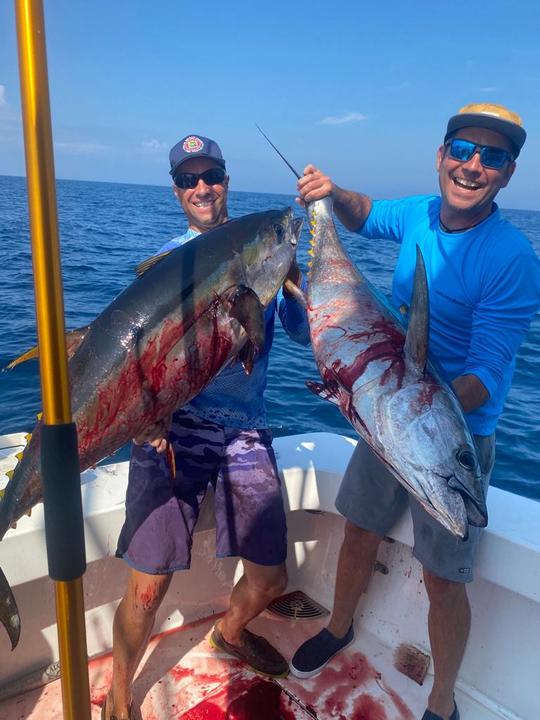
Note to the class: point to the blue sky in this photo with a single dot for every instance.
(363, 90)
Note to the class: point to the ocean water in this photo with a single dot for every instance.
(107, 228)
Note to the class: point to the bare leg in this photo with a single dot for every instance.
(257, 587)
(133, 623)
(449, 623)
(355, 566)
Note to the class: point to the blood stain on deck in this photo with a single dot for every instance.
(245, 700)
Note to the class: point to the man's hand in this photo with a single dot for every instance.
(352, 208)
(313, 185)
(155, 435)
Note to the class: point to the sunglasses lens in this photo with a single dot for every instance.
(214, 176)
(462, 150)
(186, 180)
(493, 157)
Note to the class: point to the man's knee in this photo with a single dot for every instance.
(442, 590)
(267, 581)
(146, 592)
(356, 538)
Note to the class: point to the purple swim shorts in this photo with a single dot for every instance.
(161, 511)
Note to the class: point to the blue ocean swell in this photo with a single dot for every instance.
(107, 228)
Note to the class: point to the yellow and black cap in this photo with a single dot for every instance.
(492, 117)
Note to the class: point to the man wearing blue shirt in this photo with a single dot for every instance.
(221, 437)
(484, 287)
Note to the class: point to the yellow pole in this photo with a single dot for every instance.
(50, 321)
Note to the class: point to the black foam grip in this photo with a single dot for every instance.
(64, 529)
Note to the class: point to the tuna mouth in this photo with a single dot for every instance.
(475, 502)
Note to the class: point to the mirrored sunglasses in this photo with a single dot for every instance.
(490, 157)
(213, 176)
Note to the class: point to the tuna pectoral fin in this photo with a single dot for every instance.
(9, 614)
(247, 356)
(73, 339)
(245, 306)
(416, 342)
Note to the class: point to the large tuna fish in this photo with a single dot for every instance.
(379, 376)
(159, 343)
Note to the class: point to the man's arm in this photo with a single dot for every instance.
(291, 306)
(470, 391)
(352, 208)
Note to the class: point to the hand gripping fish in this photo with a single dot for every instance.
(158, 344)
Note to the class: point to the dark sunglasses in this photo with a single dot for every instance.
(213, 176)
(490, 157)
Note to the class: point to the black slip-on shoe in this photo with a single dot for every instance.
(315, 653)
(428, 715)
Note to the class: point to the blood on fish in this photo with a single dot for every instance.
(426, 394)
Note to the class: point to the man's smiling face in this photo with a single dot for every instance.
(205, 205)
(468, 188)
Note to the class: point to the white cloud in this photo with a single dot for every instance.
(3, 100)
(153, 145)
(80, 148)
(342, 119)
(489, 89)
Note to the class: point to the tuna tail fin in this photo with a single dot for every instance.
(9, 613)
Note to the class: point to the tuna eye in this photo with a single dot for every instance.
(279, 232)
(466, 459)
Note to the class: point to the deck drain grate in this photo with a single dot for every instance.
(297, 605)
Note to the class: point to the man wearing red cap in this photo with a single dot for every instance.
(484, 281)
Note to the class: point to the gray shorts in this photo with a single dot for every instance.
(371, 498)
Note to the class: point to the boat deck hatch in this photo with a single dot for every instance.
(297, 605)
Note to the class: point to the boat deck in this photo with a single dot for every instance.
(183, 678)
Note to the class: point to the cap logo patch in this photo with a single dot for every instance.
(192, 144)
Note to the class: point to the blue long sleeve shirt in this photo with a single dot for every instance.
(234, 398)
(484, 288)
